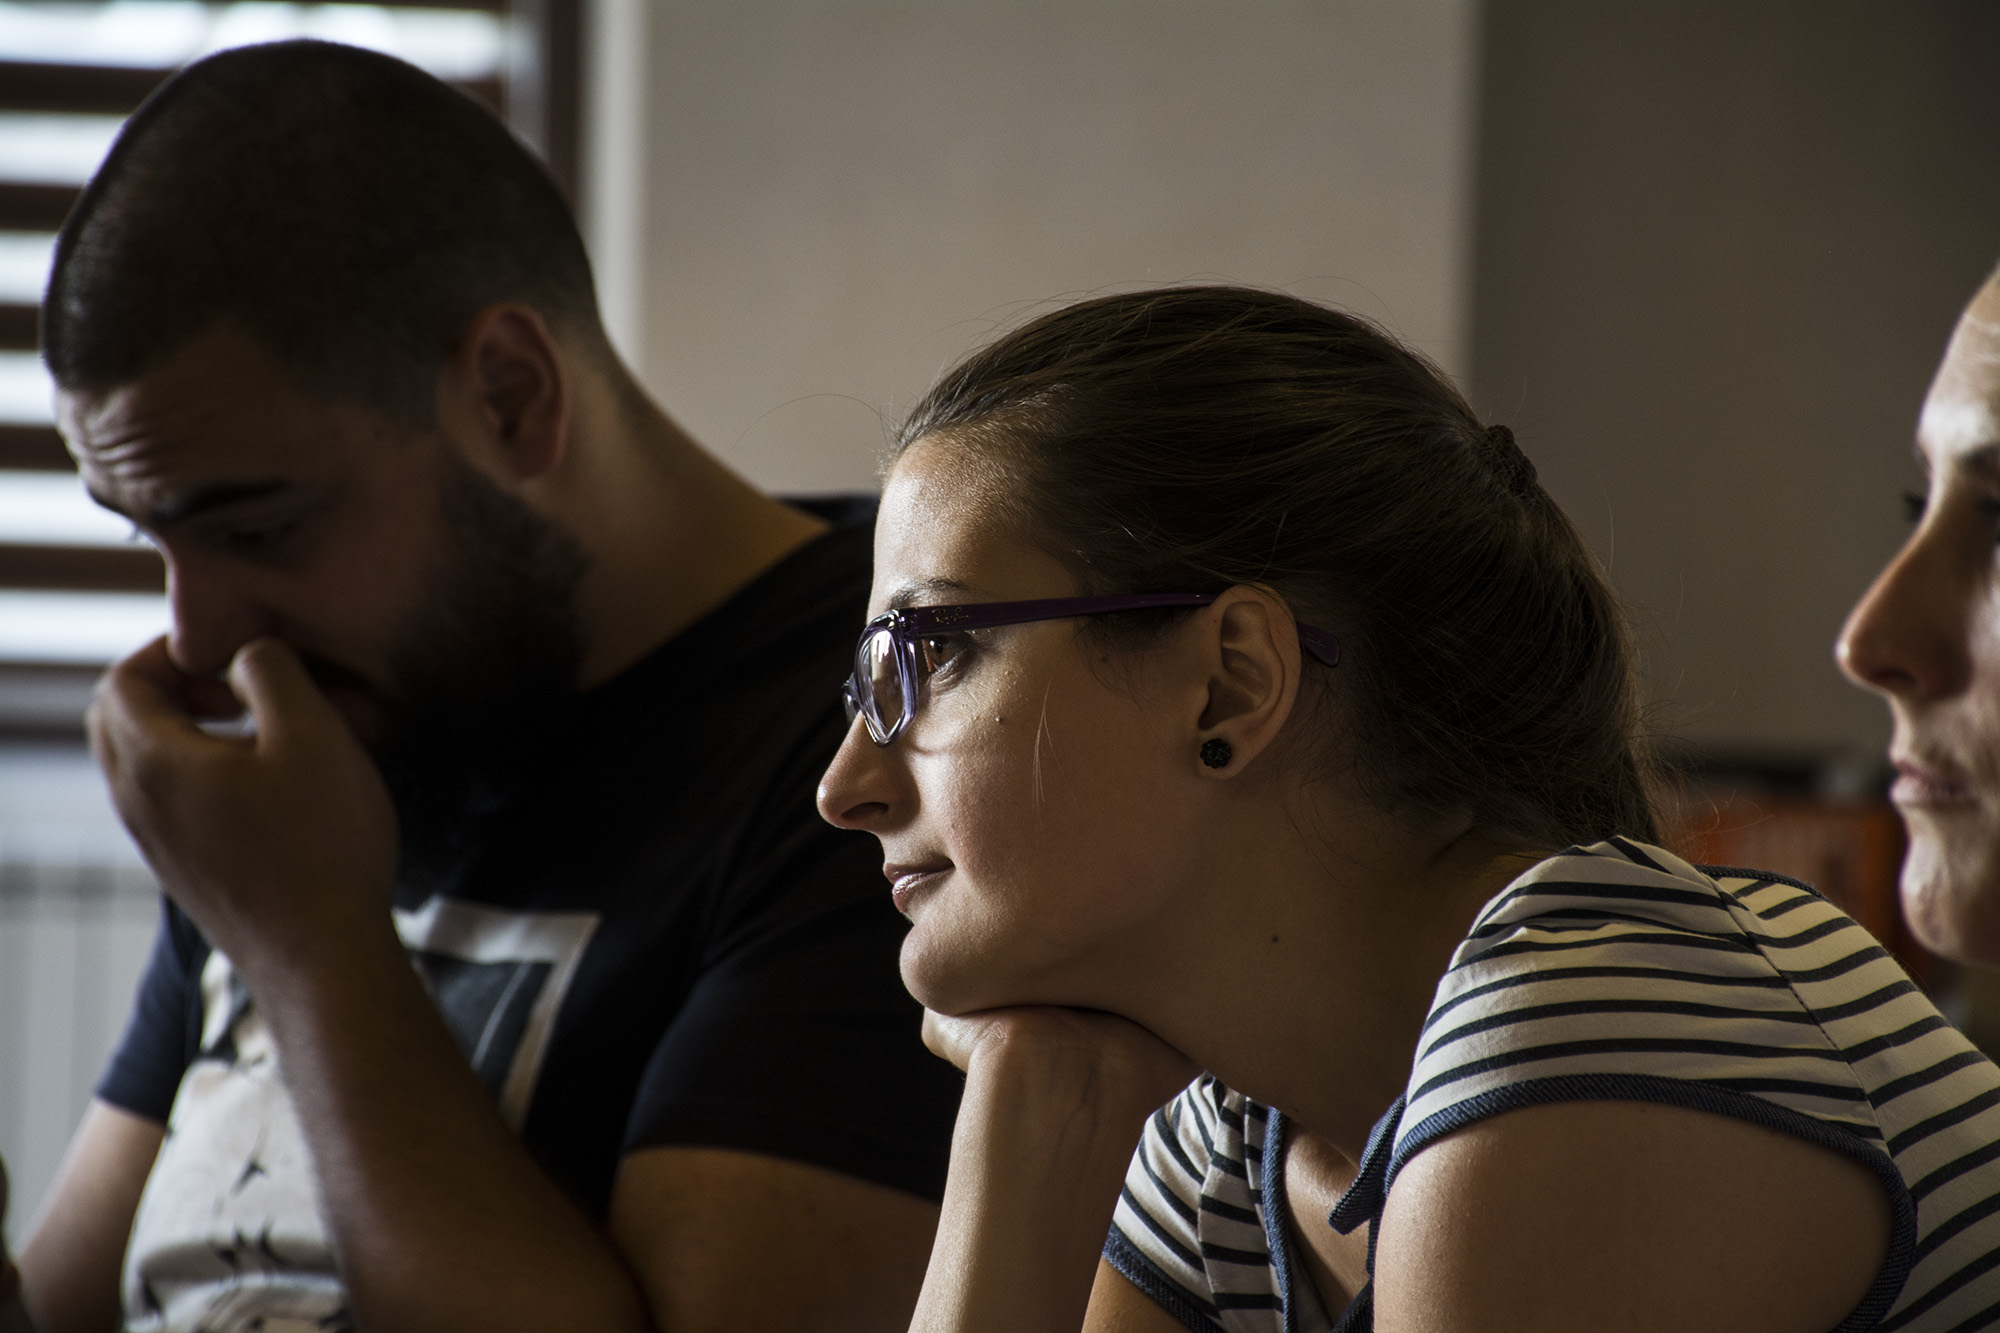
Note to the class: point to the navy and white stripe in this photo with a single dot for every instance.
(1191, 1227)
(1619, 972)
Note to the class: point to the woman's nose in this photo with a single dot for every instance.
(1908, 636)
(859, 788)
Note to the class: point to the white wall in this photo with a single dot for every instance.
(841, 197)
(1720, 248)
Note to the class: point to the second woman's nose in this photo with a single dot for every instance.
(1908, 636)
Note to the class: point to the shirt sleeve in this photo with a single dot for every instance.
(1156, 1241)
(798, 1039)
(1606, 979)
(164, 1033)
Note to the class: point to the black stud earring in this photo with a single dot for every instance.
(1215, 752)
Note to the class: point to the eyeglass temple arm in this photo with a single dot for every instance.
(988, 615)
(991, 615)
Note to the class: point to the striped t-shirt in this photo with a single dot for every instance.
(1616, 972)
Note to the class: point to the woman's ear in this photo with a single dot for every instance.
(508, 390)
(1250, 652)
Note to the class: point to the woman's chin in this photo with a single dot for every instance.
(938, 989)
(1951, 890)
(950, 982)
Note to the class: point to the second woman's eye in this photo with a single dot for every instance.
(1914, 505)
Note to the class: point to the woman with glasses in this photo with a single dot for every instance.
(1255, 751)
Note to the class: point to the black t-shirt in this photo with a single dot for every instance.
(656, 940)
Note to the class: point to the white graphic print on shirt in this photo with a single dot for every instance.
(229, 1236)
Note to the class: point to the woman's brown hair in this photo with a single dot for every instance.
(1194, 438)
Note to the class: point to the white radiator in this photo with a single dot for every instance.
(78, 911)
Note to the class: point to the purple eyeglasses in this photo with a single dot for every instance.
(892, 670)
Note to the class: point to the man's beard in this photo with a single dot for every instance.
(483, 669)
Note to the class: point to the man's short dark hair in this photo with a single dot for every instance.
(348, 210)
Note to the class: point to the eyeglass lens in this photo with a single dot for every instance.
(878, 676)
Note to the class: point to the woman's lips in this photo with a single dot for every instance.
(905, 880)
(1921, 786)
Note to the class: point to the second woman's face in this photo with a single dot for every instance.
(1927, 637)
(1037, 814)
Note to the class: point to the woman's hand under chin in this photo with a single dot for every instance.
(1055, 1101)
(1115, 1060)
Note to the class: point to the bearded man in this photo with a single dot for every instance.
(509, 979)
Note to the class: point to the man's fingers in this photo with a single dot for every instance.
(210, 699)
(141, 696)
(142, 733)
(154, 663)
(273, 684)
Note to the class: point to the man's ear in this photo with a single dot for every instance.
(509, 386)
(1250, 650)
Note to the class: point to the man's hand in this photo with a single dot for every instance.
(268, 841)
(282, 847)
